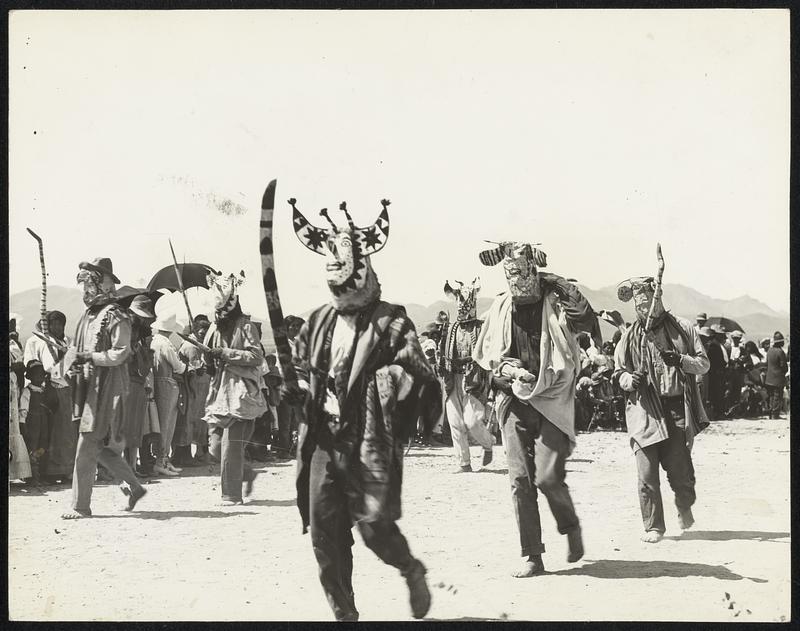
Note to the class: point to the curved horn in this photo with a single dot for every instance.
(310, 236)
(372, 239)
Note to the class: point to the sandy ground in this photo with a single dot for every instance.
(183, 558)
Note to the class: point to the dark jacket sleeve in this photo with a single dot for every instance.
(578, 311)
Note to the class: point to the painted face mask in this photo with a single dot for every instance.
(466, 297)
(91, 284)
(347, 250)
(642, 291)
(224, 290)
(520, 262)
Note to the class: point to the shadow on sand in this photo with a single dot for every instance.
(271, 503)
(161, 515)
(617, 568)
(729, 535)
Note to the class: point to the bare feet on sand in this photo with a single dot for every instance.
(533, 566)
(685, 518)
(652, 536)
(76, 514)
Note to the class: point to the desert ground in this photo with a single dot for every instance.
(181, 557)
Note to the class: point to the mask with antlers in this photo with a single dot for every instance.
(466, 297)
(520, 262)
(347, 249)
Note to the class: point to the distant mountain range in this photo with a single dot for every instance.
(756, 318)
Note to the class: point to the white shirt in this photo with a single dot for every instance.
(37, 348)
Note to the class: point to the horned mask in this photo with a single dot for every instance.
(642, 290)
(225, 291)
(520, 262)
(466, 297)
(347, 249)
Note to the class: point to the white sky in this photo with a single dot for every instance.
(596, 133)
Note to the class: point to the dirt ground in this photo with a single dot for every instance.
(183, 558)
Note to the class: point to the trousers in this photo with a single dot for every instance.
(332, 539)
(91, 451)
(227, 445)
(166, 396)
(674, 457)
(536, 452)
(466, 414)
(775, 394)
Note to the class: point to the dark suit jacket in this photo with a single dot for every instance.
(776, 367)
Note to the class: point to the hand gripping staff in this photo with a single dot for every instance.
(271, 290)
(656, 298)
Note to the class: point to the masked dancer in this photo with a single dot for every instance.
(368, 381)
(528, 341)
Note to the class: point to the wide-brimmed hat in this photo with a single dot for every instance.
(142, 306)
(764, 340)
(718, 329)
(701, 316)
(706, 332)
(166, 323)
(737, 334)
(102, 265)
(777, 337)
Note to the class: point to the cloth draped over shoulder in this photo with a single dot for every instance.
(554, 392)
(389, 386)
(643, 411)
(106, 331)
(235, 389)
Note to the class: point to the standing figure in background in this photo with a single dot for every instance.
(102, 341)
(466, 382)
(235, 398)
(664, 410)
(140, 364)
(528, 342)
(60, 459)
(367, 382)
(777, 367)
(37, 406)
(166, 364)
(198, 382)
(715, 379)
(737, 367)
(19, 465)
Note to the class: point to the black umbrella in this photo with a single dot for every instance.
(192, 274)
(728, 324)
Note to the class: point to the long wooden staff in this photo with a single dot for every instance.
(274, 308)
(656, 298)
(43, 299)
(179, 276)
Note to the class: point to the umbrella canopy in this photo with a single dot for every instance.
(192, 274)
(728, 324)
(126, 294)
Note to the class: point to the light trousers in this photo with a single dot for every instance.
(466, 414)
(166, 396)
(90, 452)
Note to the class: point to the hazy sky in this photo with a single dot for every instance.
(595, 133)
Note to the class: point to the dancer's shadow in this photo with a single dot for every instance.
(729, 535)
(617, 568)
(162, 515)
(499, 471)
(579, 460)
(271, 503)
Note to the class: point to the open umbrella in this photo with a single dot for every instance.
(728, 324)
(192, 274)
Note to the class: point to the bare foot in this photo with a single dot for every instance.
(652, 536)
(685, 518)
(529, 568)
(76, 514)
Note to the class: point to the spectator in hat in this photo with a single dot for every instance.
(140, 363)
(166, 365)
(777, 367)
(715, 381)
(700, 321)
(737, 367)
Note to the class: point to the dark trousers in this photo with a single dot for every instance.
(536, 452)
(674, 457)
(288, 418)
(227, 445)
(147, 451)
(332, 539)
(775, 398)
